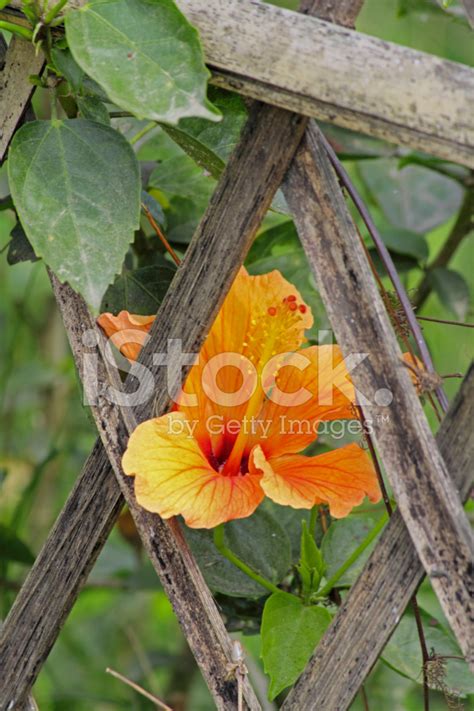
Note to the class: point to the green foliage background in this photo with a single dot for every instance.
(122, 618)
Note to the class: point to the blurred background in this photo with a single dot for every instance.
(122, 618)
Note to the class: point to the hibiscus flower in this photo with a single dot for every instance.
(249, 407)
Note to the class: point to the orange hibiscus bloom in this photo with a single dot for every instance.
(248, 407)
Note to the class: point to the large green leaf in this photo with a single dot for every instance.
(210, 145)
(413, 197)
(290, 632)
(145, 55)
(76, 188)
(403, 652)
(341, 539)
(181, 176)
(259, 541)
(452, 290)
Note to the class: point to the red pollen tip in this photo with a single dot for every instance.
(293, 306)
(272, 311)
(302, 308)
(292, 297)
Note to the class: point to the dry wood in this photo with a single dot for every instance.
(338, 75)
(242, 197)
(15, 87)
(59, 572)
(335, 74)
(376, 602)
(427, 500)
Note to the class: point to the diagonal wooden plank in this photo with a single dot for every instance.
(243, 195)
(376, 602)
(428, 501)
(15, 87)
(335, 74)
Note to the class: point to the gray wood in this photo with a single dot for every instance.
(335, 74)
(338, 75)
(429, 504)
(15, 88)
(376, 602)
(215, 254)
(59, 572)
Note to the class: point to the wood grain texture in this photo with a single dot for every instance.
(244, 193)
(15, 87)
(332, 73)
(241, 198)
(57, 576)
(376, 602)
(340, 12)
(338, 75)
(429, 504)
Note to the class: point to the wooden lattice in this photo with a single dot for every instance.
(429, 533)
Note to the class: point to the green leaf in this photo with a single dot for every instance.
(290, 632)
(139, 291)
(66, 65)
(12, 548)
(451, 289)
(413, 197)
(181, 176)
(20, 249)
(145, 55)
(258, 540)
(404, 241)
(210, 145)
(342, 538)
(76, 187)
(93, 109)
(155, 208)
(403, 652)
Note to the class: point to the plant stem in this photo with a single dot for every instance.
(354, 556)
(445, 321)
(424, 653)
(16, 29)
(160, 234)
(313, 520)
(389, 266)
(146, 129)
(235, 560)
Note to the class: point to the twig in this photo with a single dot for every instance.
(388, 264)
(160, 234)
(445, 321)
(461, 228)
(139, 689)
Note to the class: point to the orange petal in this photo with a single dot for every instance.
(341, 478)
(260, 317)
(127, 331)
(312, 386)
(172, 476)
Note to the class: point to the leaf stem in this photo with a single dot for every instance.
(16, 29)
(146, 129)
(354, 556)
(219, 543)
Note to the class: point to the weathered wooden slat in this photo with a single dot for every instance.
(376, 602)
(59, 572)
(242, 197)
(424, 492)
(338, 75)
(15, 87)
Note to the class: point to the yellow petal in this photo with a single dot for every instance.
(172, 476)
